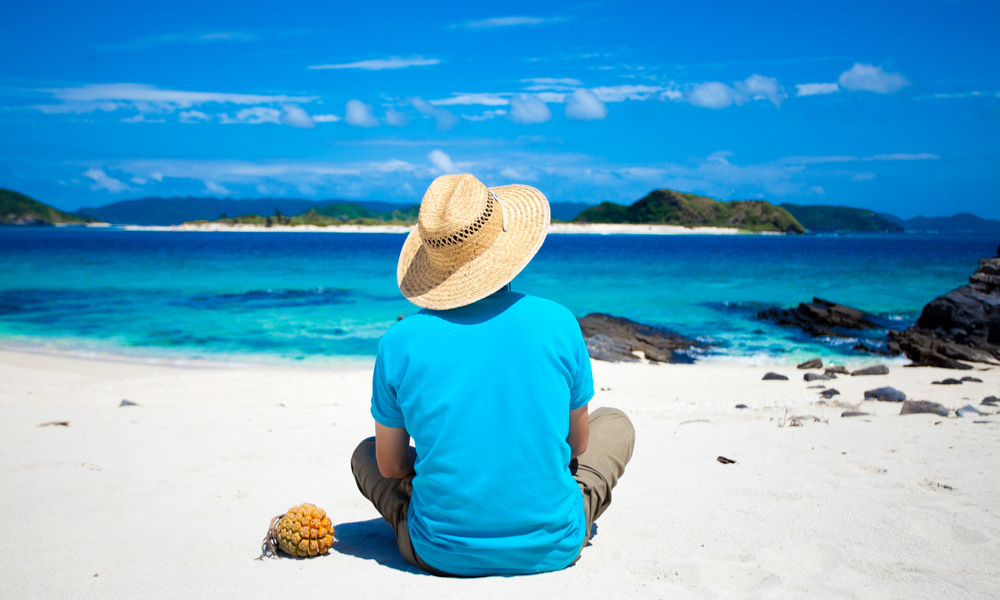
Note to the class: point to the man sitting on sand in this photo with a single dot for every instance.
(493, 388)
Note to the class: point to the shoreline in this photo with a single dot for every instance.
(365, 361)
(555, 228)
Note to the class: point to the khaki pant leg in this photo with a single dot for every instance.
(609, 448)
(391, 498)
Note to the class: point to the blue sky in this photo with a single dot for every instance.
(891, 106)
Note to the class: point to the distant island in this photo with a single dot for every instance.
(957, 222)
(664, 207)
(670, 207)
(332, 214)
(840, 218)
(18, 209)
(174, 211)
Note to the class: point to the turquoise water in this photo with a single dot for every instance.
(318, 299)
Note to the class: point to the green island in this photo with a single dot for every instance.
(840, 218)
(18, 209)
(331, 214)
(670, 207)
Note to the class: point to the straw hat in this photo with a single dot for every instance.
(470, 241)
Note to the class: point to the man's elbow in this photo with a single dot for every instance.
(391, 471)
(579, 447)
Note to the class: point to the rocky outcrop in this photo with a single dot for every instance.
(913, 407)
(872, 370)
(815, 363)
(885, 394)
(962, 325)
(616, 339)
(820, 318)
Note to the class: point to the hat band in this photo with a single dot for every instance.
(466, 234)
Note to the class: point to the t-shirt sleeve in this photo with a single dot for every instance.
(583, 380)
(385, 407)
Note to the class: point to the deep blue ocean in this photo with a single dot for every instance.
(322, 299)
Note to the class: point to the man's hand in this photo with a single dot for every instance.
(393, 452)
(579, 431)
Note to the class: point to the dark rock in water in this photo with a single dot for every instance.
(838, 370)
(830, 393)
(741, 406)
(964, 324)
(614, 339)
(817, 376)
(127, 403)
(811, 364)
(947, 382)
(885, 394)
(990, 401)
(972, 379)
(853, 413)
(911, 407)
(774, 376)
(872, 370)
(819, 318)
(968, 409)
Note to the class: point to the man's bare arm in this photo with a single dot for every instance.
(579, 430)
(392, 451)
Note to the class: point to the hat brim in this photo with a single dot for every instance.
(428, 285)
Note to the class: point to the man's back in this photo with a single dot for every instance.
(485, 392)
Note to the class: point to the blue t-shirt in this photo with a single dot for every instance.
(485, 392)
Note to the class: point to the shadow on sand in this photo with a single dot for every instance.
(372, 540)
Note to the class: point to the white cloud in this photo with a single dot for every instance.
(147, 98)
(156, 176)
(869, 78)
(519, 174)
(486, 116)
(444, 120)
(214, 188)
(556, 97)
(714, 94)
(548, 83)
(138, 180)
(863, 176)
(467, 99)
(758, 87)
(442, 163)
(583, 105)
(503, 22)
(921, 156)
(325, 118)
(551, 81)
(620, 93)
(811, 160)
(395, 118)
(103, 182)
(256, 115)
(141, 118)
(717, 95)
(294, 116)
(77, 107)
(526, 109)
(359, 114)
(193, 116)
(816, 89)
(393, 62)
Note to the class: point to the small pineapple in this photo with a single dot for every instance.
(305, 530)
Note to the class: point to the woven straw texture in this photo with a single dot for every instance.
(459, 252)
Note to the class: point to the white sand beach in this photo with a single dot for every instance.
(562, 228)
(171, 498)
